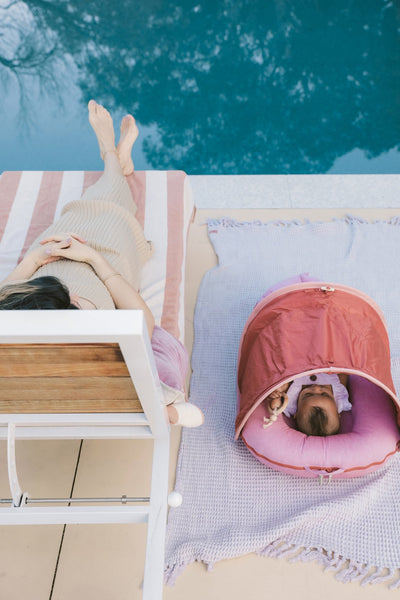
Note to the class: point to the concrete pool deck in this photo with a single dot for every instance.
(295, 191)
(105, 562)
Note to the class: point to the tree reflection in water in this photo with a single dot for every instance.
(249, 86)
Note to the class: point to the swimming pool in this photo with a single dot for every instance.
(232, 87)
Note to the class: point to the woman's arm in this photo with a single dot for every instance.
(36, 258)
(30, 264)
(122, 293)
(24, 270)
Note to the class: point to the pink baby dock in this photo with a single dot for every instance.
(310, 327)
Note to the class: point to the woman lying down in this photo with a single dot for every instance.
(315, 401)
(92, 256)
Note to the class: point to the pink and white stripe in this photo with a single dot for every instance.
(32, 200)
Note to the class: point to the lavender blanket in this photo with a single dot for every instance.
(233, 504)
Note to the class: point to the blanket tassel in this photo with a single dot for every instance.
(394, 221)
(345, 570)
(307, 555)
(228, 223)
(279, 549)
(354, 572)
(380, 576)
(171, 573)
(333, 562)
(395, 585)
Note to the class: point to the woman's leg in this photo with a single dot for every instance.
(117, 160)
(129, 134)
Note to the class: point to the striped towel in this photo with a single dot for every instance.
(32, 200)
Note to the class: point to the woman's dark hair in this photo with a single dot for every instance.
(42, 293)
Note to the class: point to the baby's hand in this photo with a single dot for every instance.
(279, 391)
(276, 398)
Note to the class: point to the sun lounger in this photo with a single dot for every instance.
(94, 374)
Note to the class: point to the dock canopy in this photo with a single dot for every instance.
(308, 328)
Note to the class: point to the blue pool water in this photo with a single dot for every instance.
(230, 86)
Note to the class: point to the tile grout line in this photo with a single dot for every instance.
(64, 528)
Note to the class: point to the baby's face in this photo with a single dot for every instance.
(321, 396)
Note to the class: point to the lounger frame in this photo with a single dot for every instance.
(128, 329)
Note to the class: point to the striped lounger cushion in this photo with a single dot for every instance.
(32, 200)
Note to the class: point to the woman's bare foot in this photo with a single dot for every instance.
(129, 133)
(101, 121)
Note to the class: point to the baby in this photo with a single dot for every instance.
(315, 401)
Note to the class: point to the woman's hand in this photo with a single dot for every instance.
(68, 245)
(36, 258)
(64, 245)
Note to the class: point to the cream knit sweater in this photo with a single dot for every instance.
(105, 218)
